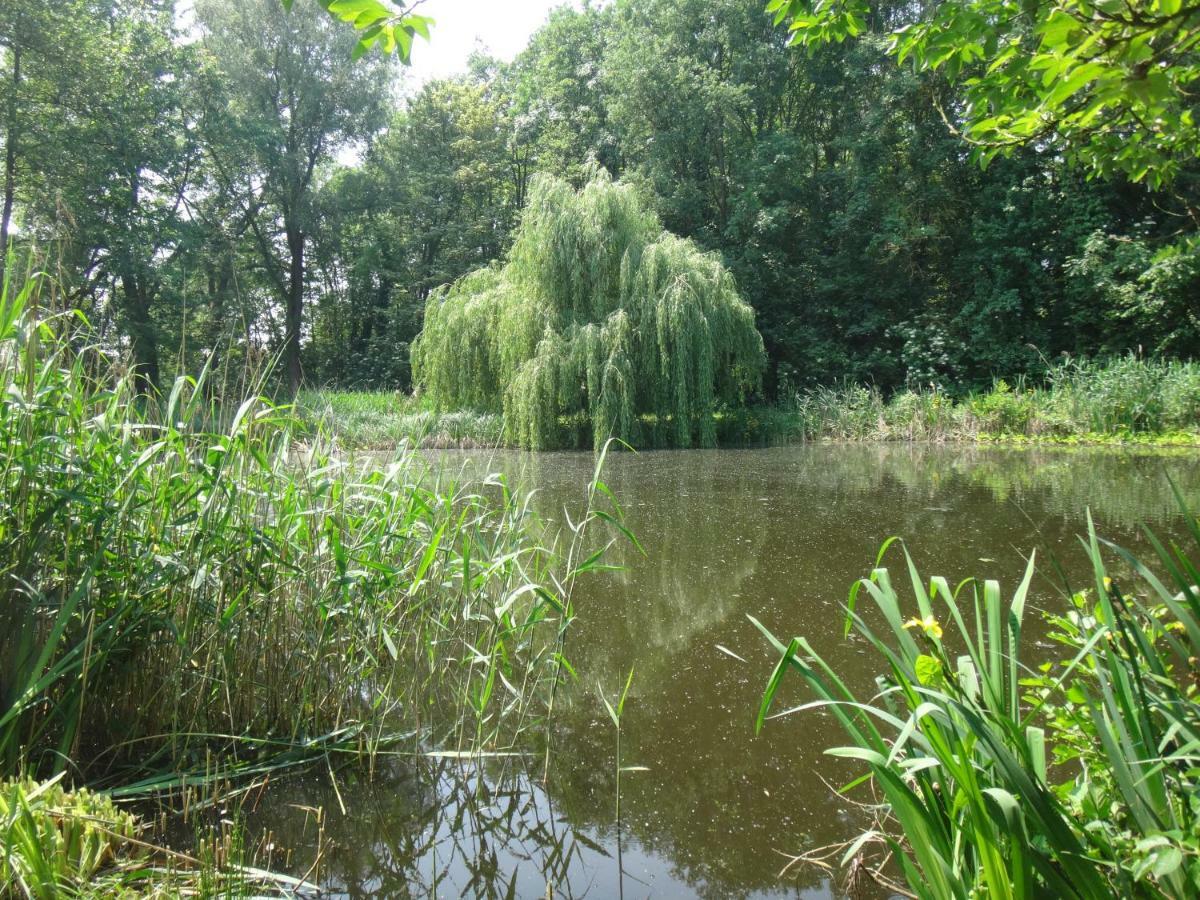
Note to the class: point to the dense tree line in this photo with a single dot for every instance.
(231, 186)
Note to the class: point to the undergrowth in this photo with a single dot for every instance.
(1124, 401)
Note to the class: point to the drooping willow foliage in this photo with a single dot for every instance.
(599, 324)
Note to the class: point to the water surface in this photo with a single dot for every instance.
(779, 534)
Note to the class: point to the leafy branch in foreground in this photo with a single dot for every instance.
(381, 24)
(1112, 80)
(1078, 779)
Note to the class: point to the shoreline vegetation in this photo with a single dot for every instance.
(194, 608)
(1000, 778)
(657, 225)
(203, 598)
(1127, 401)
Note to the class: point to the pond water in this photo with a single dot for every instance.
(779, 534)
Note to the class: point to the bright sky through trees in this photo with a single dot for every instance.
(502, 28)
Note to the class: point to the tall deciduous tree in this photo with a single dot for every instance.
(558, 97)
(284, 97)
(32, 65)
(868, 242)
(598, 315)
(435, 197)
(133, 176)
(1113, 80)
(101, 144)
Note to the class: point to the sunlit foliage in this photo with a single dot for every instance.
(1111, 82)
(600, 323)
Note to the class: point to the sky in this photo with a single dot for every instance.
(501, 26)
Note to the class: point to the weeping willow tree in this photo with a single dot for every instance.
(599, 324)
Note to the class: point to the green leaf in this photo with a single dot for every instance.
(1057, 28)
(391, 645)
(1166, 862)
(774, 681)
(929, 670)
(864, 753)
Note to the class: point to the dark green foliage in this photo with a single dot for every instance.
(1111, 85)
(869, 243)
(225, 225)
(599, 318)
(434, 199)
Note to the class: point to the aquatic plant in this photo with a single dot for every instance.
(59, 842)
(599, 321)
(1128, 393)
(1123, 399)
(53, 840)
(366, 420)
(615, 713)
(187, 592)
(1075, 780)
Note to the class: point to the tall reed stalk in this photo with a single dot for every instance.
(181, 578)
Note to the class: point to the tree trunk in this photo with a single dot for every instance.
(142, 339)
(10, 160)
(220, 275)
(293, 314)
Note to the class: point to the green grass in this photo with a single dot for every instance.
(1126, 401)
(367, 420)
(993, 778)
(56, 842)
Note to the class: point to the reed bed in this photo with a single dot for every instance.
(383, 420)
(191, 593)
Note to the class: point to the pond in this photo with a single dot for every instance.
(714, 811)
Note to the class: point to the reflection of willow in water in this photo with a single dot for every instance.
(683, 540)
(685, 544)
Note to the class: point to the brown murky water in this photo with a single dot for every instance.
(779, 534)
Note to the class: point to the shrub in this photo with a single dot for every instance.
(1003, 410)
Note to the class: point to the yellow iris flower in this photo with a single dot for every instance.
(929, 625)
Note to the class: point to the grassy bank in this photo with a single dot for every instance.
(382, 420)
(189, 598)
(1124, 401)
